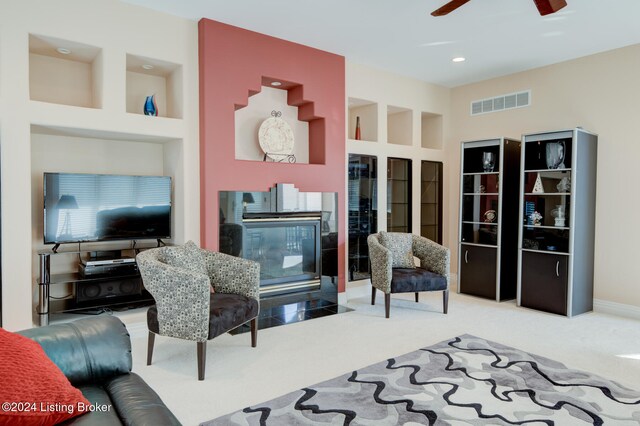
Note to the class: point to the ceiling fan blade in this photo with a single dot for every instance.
(449, 7)
(546, 7)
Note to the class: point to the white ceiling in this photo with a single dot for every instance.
(497, 37)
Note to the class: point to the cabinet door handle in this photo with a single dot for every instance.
(466, 256)
(558, 268)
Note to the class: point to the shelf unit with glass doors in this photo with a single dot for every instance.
(487, 249)
(557, 222)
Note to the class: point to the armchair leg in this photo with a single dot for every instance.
(445, 300)
(152, 339)
(373, 295)
(417, 296)
(254, 332)
(202, 359)
(387, 304)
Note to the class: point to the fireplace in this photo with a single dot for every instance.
(293, 235)
(287, 247)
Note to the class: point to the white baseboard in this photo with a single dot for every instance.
(619, 309)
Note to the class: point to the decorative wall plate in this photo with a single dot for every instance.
(276, 137)
(490, 216)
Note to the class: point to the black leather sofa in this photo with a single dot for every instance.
(95, 355)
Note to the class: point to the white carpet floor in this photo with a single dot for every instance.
(297, 355)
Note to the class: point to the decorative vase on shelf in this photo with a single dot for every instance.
(358, 135)
(150, 107)
(488, 161)
(559, 214)
(555, 155)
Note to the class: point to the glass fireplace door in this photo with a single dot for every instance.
(287, 249)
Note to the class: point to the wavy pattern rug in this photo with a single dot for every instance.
(462, 381)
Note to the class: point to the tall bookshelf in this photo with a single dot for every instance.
(557, 221)
(487, 249)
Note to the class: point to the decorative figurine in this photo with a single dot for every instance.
(537, 186)
(536, 218)
(564, 185)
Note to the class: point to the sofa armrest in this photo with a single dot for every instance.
(88, 350)
(230, 274)
(138, 404)
(380, 258)
(182, 297)
(433, 256)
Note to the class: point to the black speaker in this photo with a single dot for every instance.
(98, 290)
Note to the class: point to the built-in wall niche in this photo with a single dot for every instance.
(259, 108)
(367, 111)
(70, 150)
(399, 125)
(147, 77)
(431, 132)
(65, 72)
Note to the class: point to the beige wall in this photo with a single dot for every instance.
(599, 93)
(416, 98)
(58, 136)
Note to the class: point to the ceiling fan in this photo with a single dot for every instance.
(545, 7)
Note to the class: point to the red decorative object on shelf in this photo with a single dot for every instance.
(358, 136)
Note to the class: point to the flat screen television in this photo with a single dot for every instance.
(91, 207)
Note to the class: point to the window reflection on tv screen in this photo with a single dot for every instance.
(89, 207)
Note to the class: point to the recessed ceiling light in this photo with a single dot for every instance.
(63, 50)
(276, 83)
(459, 59)
(147, 66)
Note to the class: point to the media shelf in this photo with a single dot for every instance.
(92, 293)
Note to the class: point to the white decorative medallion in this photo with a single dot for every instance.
(276, 138)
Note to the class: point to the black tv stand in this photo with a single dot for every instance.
(161, 243)
(101, 292)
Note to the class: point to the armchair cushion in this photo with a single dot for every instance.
(401, 247)
(228, 311)
(187, 256)
(411, 280)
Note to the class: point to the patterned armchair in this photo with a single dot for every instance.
(393, 269)
(199, 295)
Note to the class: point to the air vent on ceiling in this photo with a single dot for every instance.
(502, 102)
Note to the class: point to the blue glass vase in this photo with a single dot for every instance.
(150, 107)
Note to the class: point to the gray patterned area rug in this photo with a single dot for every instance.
(462, 381)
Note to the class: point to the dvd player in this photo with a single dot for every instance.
(108, 270)
(97, 261)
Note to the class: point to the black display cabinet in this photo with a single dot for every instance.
(488, 240)
(557, 221)
(363, 212)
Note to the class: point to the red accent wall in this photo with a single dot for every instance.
(234, 62)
